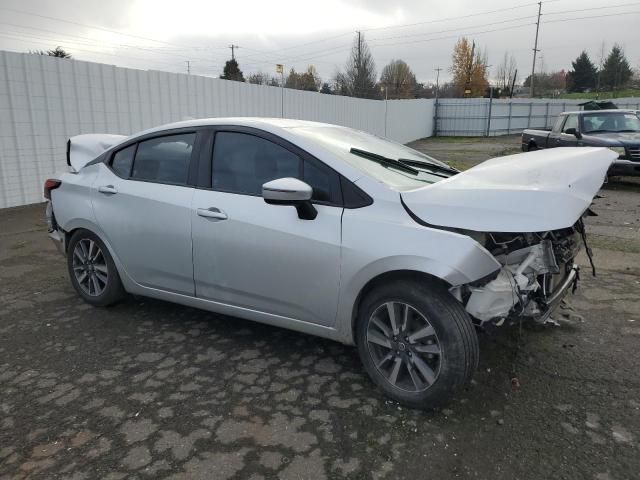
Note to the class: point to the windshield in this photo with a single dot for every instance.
(341, 141)
(611, 122)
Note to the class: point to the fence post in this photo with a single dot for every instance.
(530, 112)
(489, 113)
(509, 119)
(435, 117)
(546, 117)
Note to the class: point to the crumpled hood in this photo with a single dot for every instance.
(81, 149)
(528, 192)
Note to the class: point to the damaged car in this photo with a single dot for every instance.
(329, 231)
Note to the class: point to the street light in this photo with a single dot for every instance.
(280, 70)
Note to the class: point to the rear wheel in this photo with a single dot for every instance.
(416, 342)
(532, 147)
(92, 270)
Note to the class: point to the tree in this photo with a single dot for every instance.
(359, 77)
(232, 71)
(259, 78)
(506, 73)
(398, 80)
(326, 89)
(58, 52)
(616, 71)
(469, 69)
(584, 75)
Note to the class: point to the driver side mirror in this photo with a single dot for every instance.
(574, 132)
(290, 191)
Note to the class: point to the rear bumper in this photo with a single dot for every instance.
(55, 234)
(624, 167)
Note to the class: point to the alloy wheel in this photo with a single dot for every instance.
(404, 347)
(90, 267)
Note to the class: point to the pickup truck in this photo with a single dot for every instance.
(617, 129)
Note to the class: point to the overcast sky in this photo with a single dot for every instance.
(164, 34)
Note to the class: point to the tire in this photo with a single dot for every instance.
(437, 348)
(92, 271)
(532, 147)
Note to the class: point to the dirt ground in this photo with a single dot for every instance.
(148, 389)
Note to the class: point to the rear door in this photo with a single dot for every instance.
(262, 257)
(142, 201)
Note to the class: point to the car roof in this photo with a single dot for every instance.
(269, 124)
(611, 110)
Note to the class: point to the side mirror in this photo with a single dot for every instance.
(290, 191)
(574, 132)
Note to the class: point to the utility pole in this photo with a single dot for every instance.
(471, 68)
(513, 82)
(435, 109)
(535, 51)
(188, 66)
(233, 52)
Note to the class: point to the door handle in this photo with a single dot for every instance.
(110, 189)
(212, 212)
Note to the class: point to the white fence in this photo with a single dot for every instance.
(45, 100)
(482, 116)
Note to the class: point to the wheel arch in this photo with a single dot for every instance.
(390, 276)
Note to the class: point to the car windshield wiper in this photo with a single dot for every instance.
(628, 131)
(390, 162)
(429, 165)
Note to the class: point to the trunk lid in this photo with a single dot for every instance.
(81, 149)
(528, 192)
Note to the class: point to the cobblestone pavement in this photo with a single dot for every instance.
(148, 389)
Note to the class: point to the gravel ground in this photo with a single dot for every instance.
(147, 389)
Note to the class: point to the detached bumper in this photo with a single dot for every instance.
(58, 240)
(624, 168)
(569, 282)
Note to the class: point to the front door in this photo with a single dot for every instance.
(262, 257)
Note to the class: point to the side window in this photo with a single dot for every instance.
(558, 125)
(321, 180)
(164, 159)
(122, 161)
(572, 122)
(243, 162)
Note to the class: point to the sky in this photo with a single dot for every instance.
(166, 34)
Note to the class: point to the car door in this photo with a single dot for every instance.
(556, 132)
(258, 256)
(142, 202)
(567, 138)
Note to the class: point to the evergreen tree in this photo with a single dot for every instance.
(584, 74)
(232, 71)
(616, 71)
(326, 89)
(359, 77)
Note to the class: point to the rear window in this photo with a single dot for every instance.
(611, 122)
(164, 159)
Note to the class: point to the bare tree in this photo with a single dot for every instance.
(359, 77)
(506, 72)
(398, 80)
(259, 78)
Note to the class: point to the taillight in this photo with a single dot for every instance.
(49, 185)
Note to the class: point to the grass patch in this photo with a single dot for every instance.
(615, 244)
(629, 92)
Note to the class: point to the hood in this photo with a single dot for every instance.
(81, 149)
(615, 138)
(528, 192)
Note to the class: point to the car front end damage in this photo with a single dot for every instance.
(538, 270)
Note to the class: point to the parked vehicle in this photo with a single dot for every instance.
(329, 231)
(618, 130)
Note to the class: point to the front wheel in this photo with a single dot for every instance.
(416, 342)
(92, 270)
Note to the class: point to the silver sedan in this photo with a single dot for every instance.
(329, 231)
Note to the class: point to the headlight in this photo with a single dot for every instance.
(620, 151)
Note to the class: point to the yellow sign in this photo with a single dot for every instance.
(279, 68)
